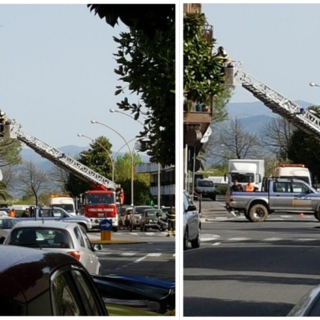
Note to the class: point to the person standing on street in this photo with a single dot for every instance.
(12, 213)
(171, 216)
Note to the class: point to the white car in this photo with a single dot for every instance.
(58, 237)
(191, 223)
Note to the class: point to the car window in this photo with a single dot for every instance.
(89, 302)
(7, 223)
(205, 183)
(40, 237)
(79, 237)
(64, 295)
(87, 240)
(300, 187)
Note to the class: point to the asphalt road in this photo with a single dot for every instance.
(250, 269)
(150, 254)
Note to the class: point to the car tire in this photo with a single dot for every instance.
(196, 242)
(317, 214)
(185, 240)
(258, 213)
(213, 198)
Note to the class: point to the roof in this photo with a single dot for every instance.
(45, 224)
(23, 267)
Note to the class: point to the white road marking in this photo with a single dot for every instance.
(133, 234)
(216, 243)
(148, 255)
(209, 237)
(272, 239)
(307, 239)
(238, 239)
(150, 233)
(128, 254)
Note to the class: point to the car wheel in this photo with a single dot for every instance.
(141, 228)
(185, 240)
(213, 198)
(196, 242)
(258, 213)
(317, 214)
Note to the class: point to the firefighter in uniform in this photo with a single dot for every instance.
(171, 217)
(3, 121)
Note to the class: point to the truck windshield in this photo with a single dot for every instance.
(101, 198)
(244, 178)
(205, 183)
(68, 207)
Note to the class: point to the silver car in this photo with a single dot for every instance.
(191, 223)
(6, 224)
(58, 237)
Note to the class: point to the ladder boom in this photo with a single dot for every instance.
(291, 111)
(60, 159)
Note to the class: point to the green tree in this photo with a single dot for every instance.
(9, 152)
(141, 192)
(304, 148)
(96, 158)
(146, 62)
(203, 81)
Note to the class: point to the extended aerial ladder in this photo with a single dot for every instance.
(291, 111)
(14, 131)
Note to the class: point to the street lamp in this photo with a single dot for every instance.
(117, 111)
(158, 186)
(312, 84)
(131, 152)
(112, 160)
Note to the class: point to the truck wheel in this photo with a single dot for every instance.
(246, 214)
(213, 198)
(258, 213)
(317, 214)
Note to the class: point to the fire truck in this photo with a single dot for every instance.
(105, 198)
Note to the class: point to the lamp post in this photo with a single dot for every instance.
(312, 84)
(131, 152)
(158, 185)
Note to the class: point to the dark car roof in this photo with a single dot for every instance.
(21, 267)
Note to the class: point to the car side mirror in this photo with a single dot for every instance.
(97, 247)
(192, 207)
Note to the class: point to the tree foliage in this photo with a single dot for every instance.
(9, 152)
(98, 158)
(33, 181)
(276, 135)
(146, 63)
(202, 70)
(232, 141)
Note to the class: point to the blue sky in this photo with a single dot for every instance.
(57, 74)
(278, 44)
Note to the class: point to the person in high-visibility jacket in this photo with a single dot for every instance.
(12, 213)
(250, 186)
(171, 217)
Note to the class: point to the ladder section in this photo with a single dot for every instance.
(279, 104)
(61, 160)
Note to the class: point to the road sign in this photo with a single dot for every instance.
(106, 225)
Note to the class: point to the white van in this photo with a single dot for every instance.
(293, 171)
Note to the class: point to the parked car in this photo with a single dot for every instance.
(40, 283)
(124, 219)
(191, 223)
(6, 224)
(58, 237)
(59, 214)
(135, 216)
(150, 219)
(308, 305)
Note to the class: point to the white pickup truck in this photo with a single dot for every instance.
(277, 195)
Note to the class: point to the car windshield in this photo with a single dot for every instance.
(205, 183)
(101, 198)
(139, 210)
(8, 223)
(40, 237)
(151, 214)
